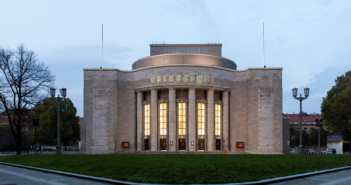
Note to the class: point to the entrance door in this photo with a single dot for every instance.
(163, 145)
(182, 145)
(218, 144)
(201, 144)
(147, 144)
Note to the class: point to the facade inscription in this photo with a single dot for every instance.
(192, 78)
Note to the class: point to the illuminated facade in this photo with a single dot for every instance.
(183, 97)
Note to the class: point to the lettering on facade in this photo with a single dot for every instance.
(192, 78)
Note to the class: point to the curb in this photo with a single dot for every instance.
(100, 179)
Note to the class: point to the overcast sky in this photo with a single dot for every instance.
(311, 40)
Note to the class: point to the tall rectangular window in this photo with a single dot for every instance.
(182, 118)
(187, 50)
(172, 50)
(206, 50)
(191, 50)
(202, 50)
(201, 119)
(163, 118)
(217, 119)
(147, 119)
(165, 50)
(169, 50)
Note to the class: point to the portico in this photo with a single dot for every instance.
(180, 119)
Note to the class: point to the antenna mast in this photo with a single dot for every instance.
(263, 47)
(102, 51)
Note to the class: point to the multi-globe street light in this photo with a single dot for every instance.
(63, 93)
(306, 92)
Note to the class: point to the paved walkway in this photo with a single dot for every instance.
(340, 178)
(10, 175)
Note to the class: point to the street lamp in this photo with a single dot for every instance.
(63, 93)
(306, 92)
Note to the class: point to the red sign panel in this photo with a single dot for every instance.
(125, 144)
(240, 144)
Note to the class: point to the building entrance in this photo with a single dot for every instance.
(163, 145)
(182, 145)
(147, 144)
(218, 144)
(201, 144)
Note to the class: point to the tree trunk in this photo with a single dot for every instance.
(18, 144)
(18, 139)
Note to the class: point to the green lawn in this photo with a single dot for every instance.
(173, 168)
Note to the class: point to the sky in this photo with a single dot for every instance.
(309, 39)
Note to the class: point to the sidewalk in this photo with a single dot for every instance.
(19, 176)
(340, 178)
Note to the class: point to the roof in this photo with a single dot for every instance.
(296, 117)
(176, 45)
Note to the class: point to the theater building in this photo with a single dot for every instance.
(183, 98)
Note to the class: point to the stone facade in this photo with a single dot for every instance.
(250, 101)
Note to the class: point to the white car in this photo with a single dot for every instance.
(327, 151)
(292, 151)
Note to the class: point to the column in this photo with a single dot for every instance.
(210, 119)
(153, 114)
(192, 124)
(225, 119)
(172, 119)
(139, 121)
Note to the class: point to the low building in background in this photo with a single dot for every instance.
(308, 121)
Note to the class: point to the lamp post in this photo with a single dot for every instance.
(63, 93)
(319, 125)
(306, 92)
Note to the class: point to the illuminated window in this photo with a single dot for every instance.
(217, 119)
(147, 119)
(163, 118)
(201, 119)
(182, 118)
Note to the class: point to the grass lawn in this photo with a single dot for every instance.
(177, 168)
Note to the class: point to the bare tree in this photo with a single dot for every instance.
(26, 81)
